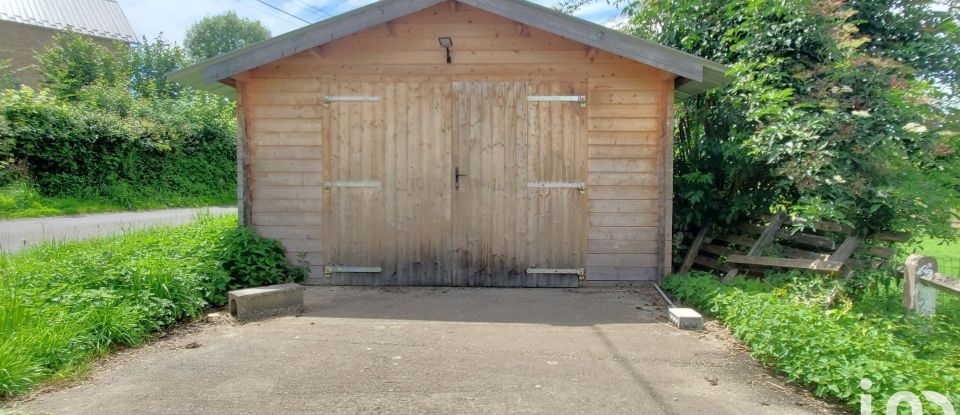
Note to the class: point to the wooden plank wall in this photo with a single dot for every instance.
(283, 108)
(626, 156)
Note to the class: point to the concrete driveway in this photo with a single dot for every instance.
(19, 234)
(412, 350)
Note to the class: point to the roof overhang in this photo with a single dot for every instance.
(695, 74)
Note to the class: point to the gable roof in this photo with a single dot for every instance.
(100, 18)
(698, 74)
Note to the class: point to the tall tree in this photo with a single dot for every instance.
(222, 33)
(150, 62)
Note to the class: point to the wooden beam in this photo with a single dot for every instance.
(711, 263)
(881, 252)
(806, 264)
(578, 30)
(942, 282)
(890, 236)
(735, 239)
(815, 241)
(846, 249)
(823, 226)
(694, 250)
(843, 253)
(594, 35)
(765, 239)
(717, 250)
(244, 203)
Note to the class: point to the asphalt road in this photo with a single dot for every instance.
(18, 234)
(440, 351)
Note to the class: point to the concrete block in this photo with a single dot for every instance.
(263, 302)
(686, 318)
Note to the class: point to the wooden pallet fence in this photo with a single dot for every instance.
(750, 247)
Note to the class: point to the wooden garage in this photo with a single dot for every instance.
(459, 143)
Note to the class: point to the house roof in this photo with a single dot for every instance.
(697, 74)
(99, 18)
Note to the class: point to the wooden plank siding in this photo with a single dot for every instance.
(296, 142)
(626, 141)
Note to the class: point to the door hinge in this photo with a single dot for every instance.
(352, 270)
(329, 99)
(580, 272)
(352, 185)
(582, 187)
(580, 99)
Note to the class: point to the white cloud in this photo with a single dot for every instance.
(152, 17)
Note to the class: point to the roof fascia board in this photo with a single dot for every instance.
(595, 35)
(311, 36)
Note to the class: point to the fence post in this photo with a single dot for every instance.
(917, 296)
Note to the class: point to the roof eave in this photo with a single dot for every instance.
(702, 74)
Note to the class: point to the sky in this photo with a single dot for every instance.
(152, 17)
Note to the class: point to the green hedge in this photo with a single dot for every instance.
(118, 148)
(62, 305)
(830, 350)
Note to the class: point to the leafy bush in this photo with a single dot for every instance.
(111, 131)
(841, 110)
(785, 325)
(74, 61)
(122, 149)
(7, 79)
(253, 261)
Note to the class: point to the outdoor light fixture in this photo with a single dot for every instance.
(447, 43)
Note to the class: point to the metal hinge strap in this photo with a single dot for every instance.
(352, 270)
(351, 98)
(352, 185)
(581, 99)
(582, 187)
(557, 271)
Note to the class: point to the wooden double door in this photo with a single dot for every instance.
(455, 184)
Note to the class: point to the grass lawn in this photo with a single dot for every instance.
(62, 305)
(20, 200)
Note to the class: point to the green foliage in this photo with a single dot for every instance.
(73, 62)
(923, 34)
(837, 110)
(112, 133)
(7, 79)
(150, 62)
(222, 33)
(120, 148)
(253, 261)
(785, 325)
(62, 305)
